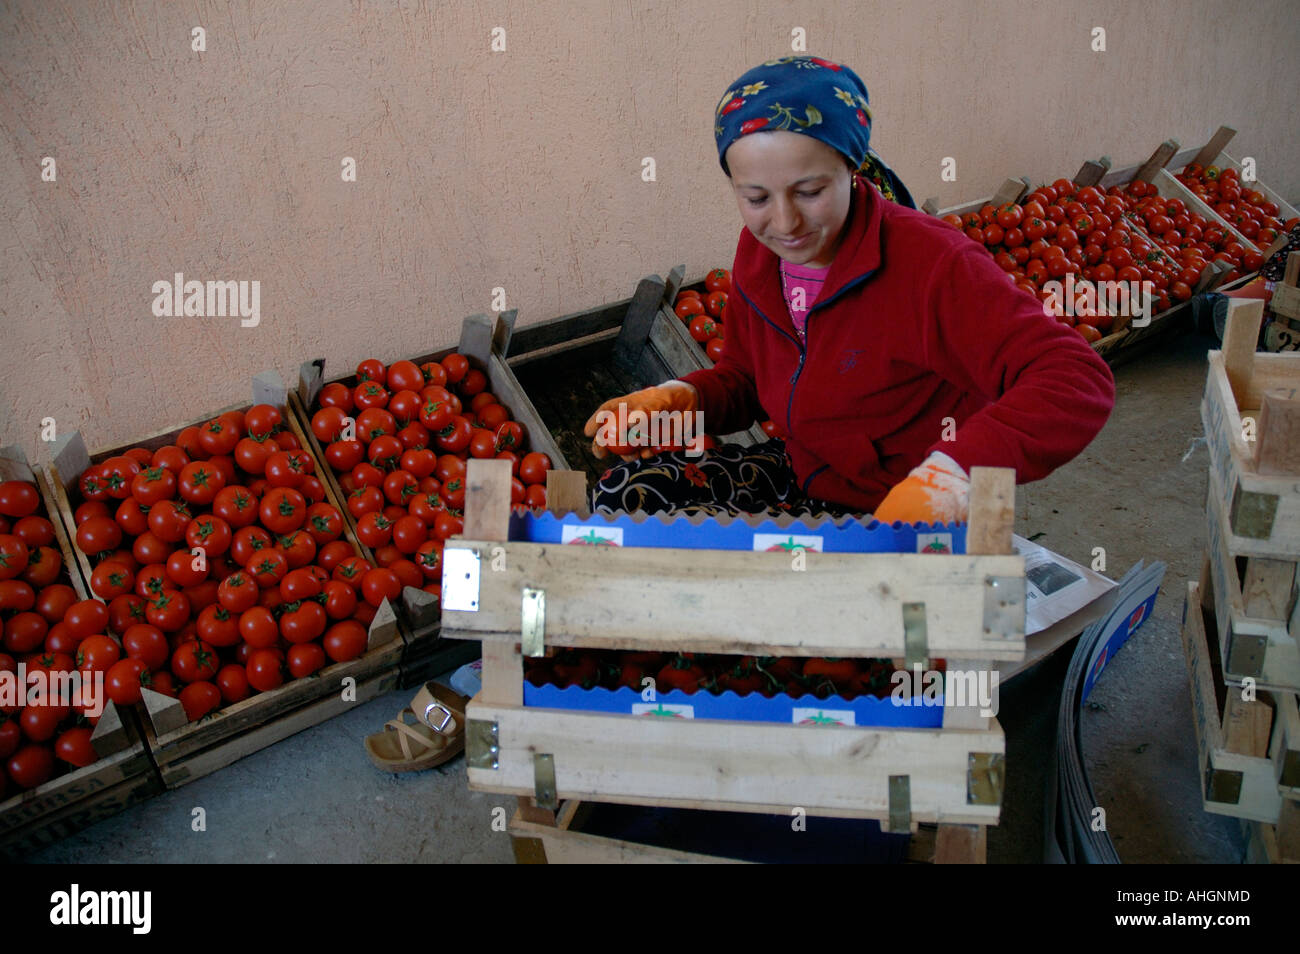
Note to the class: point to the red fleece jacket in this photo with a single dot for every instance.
(916, 324)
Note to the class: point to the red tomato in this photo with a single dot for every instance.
(31, 766)
(200, 698)
(184, 569)
(474, 383)
(95, 536)
(447, 523)
(265, 670)
(336, 395)
(305, 659)
(332, 554)
(123, 680)
(268, 568)
(340, 600)
(86, 618)
(218, 626)
(533, 468)
(19, 498)
(297, 548)
(194, 661)
(716, 304)
(456, 366)
(232, 682)
(372, 369)
(351, 571)
(719, 279)
(97, 654)
(455, 437)
(169, 611)
(283, 510)
(345, 455)
(236, 505)
(380, 584)
(111, 580)
(43, 566)
(262, 420)
(259, 628)
(345, 641)
(305, 623)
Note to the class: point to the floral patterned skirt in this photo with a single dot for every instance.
(730, 479)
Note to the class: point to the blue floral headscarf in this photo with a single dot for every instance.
(810, 95)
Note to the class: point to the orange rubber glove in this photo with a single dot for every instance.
(622, 433)
(936, 491)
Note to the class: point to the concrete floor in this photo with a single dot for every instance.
(316, 798)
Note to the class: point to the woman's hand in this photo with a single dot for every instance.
(627, 432)
(938, 491)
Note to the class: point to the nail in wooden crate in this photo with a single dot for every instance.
(1248, 741)
(122, 776)
(621, 598)
(183, 750)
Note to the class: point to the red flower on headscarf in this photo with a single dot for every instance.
(862, 118)
(749, 125)
(826, 63)
(695, 475)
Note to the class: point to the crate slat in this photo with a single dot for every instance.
(736, 766)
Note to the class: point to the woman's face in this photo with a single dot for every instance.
(793, 192)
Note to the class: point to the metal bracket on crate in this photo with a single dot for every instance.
(1252, 513)
(1222, 786)
(1246, 653)
(460, 579)
(482, 748)
(985, 773)
(900, 804)
(532, 622)
(544, 781)
(915, 635)
(1004, 606)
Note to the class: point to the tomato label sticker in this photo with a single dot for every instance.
(771, 542)
(823, 717)
(934, 543)
(592, 536)
(662, 711)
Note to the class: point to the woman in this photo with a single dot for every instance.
(889, 349)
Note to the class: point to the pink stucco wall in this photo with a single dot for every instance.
(519, 169)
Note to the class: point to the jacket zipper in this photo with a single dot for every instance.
(803, 351)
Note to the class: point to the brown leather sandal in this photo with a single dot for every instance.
(437, 734)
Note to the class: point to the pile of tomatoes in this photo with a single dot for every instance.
(45, 626)
(401, 459)
(1125, 234)
(1247, 210)
(703, 313)
(699, 672)
(224, 569)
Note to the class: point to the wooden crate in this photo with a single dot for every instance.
(1213, 154)
(640, 342)
(1246, 743)
(953, 774)
(122, 776)
(484, 341)
(183, 750)
(1253, 481)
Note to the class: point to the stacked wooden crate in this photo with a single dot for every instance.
(537, 597)
(1240, 624)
